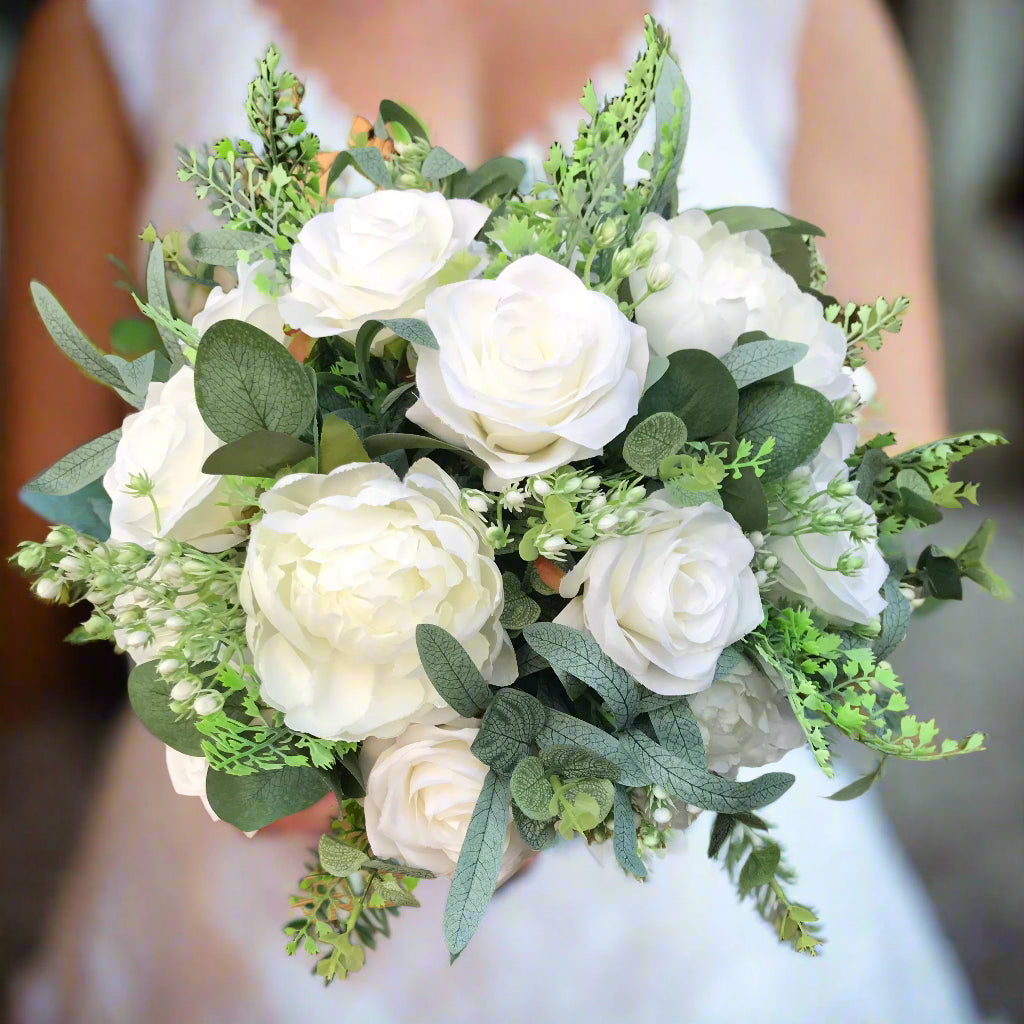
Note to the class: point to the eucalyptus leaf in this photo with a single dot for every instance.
(660, 435)
(700, 787)
(261, 453)
(570, 761)
(798, 417)
(390, 112)
(760, 218)
(624, 837)
(150, 696)
(537, 835)
(559, 727)
(136, 375)
(86, 510)
(78, 468)
(220, 247)
(698, 389)
(497, 177)
(409, 329)
(745, 500)
(476, 873)
(339, 444)
(339, 858)
(727, 661)
(759, 359)
(792, 254)
(578, 654)
(157, 296)
(367, 160)
(451, 670)
(380, 444)
(439, 163)
(251, 802)
(507, 729)
(246, 381)
(531, 789)
(859, 786)
(671, 98)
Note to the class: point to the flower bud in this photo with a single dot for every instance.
(570, 485)
(756, 539)
(863, 531)
(598, 501)
(623, 263)
(407, 179)
(514, 499)
(476, 503)
(60, 536)
(850, 564)
(659, 792)
(770, 563)
(908, 592)
(96, 623)
(659, 276)
(644, 246)
(630, 516)
(585, 532)
(137, 638)
(852, 515)
(541, 488)
(553, 544)
(591, 483)
(607, 522)
(662, 816)
(606, 233)
(176, 622)
(163, 548)
(31, 556)
(761, 578)
(635, 494)
(207, 703)
(840, 488)
(168, 667)
(185, 689)
(48, 589)
(496, 536)
(874, 627)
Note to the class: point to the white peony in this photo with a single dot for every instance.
(375, 257)
(244, 302)
(169, 441)
(421, 789)
(188, 778)
(725, 285)
(665, 603)
(717, 279)
(746, 720)
(340, 571)
(533, 369)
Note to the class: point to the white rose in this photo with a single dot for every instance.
(746, 720)
(375, 257)
(244, 302)
(533, 369)
(717, 279)
(725, 285)
(420, 793)
(169, 441)
(665, 603)
(339, 572)
(188, 778)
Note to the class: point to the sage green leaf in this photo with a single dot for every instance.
(678, 732)
(559, 727)
(391, 868)
(760, 867)
(246, 381)
(590, 801)
(727, 661)
(529, 661)
(150, 696)
(439, 163)
(873, 464)
(367, 160)
(744, 499)
(507, 729)
(221, 246)
(451, 671)
(339, 444)
(86, 510)
(73, 471)
(859, 786)
(698, 389)
(537, 835)
(759, 359)
(700, 787)
(894, 619)
(136, 375)
(254, 801)
(391, 112)
(760, 218)
(653, 439)
(476, 873)
(671, 99)
(940, 575)
(792, 254)
(158, 297)
(131, 337)
(578, 654)
(384, 891)
(971, 560)
(71, 341)
(798, 417)
(520, 609)
(531, 789)
(720, 831)
(409, 329)
(261, 453)
(918, 507)
(381, 444)
(624, 836)
(569, 761)
(683, 497)
(339, 858)
(497, 177)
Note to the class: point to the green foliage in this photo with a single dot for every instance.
(561, 728)
(507, 729)
(537, 835)
(971, 562)
(698, 786)
(495, 179)
(860, 786)
(797, 417)
(698, 389)
(578, 654)
(250, 802)
(87, 510)
(246, 381)
(340, 859)
(78, 468)
(580, 805)
(531, 789)
(438, 164)
(864, 325)
(657, 437)
(159, 301)
(755, 864)
(225, 247)
(520, 609)
(760, 218)
(339, 444)
(259, 454)
(149, 695)
(748, 363)
(672, 125)
(451, 671)
(476, 873)
(367, 160)
(624, 838)
(569, 762)
(678, 732)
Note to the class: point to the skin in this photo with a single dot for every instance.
(74, 176)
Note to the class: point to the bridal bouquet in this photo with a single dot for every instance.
(510, 515)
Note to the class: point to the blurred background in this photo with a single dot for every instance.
(969, 60)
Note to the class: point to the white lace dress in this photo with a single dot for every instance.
(171, 917)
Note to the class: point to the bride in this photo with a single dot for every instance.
(793, 103)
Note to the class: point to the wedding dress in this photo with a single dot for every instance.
(170, 917)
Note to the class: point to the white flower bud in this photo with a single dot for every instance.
(840, 489)
(771, 562)
(635, 494)
(541, 488)
(662, 815)
(59, 536)
(207, 704)
(185, 689)
(570, 485)
(408, 180)
(168, 666)
(852, 515)
(606, 233)
(630, 516)
(659, 276)
(659, 792)
(496, 536)
(176, 622)
(31, 556)
(163, 548)
(623, 263)
(137, 638)
(863, 531)
(849, 563)
(476, 503)
(644, 246)
(761, 578)
(514, 499)
(48, 589)
(608, 522)
(756, 539)
(598, 501)
(591, 483)
(70, 565)
(552, 544)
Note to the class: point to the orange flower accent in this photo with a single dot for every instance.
(549, 573)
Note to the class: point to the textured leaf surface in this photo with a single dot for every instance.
(451, 670)
(158, 298)
(579, 654)
(339, 858)
(246, 381)
(895, 618)
(508, 728)
(759, 359)
(678, 732)
(476, 873)
(702, 788)
(760, 867)
(624, 837)
(86, 463)
(797, 417)
(221, 246)
(339, 444)
(655, 438)
(559, 727)
(253, 801)
(531, 789)
(761, 218)
(698, 389)
(86, 510)
(671, 98)
(409, 329)
(149, 695)
(537, 835)
(439, 163)
(727, 662)
(261, 453)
